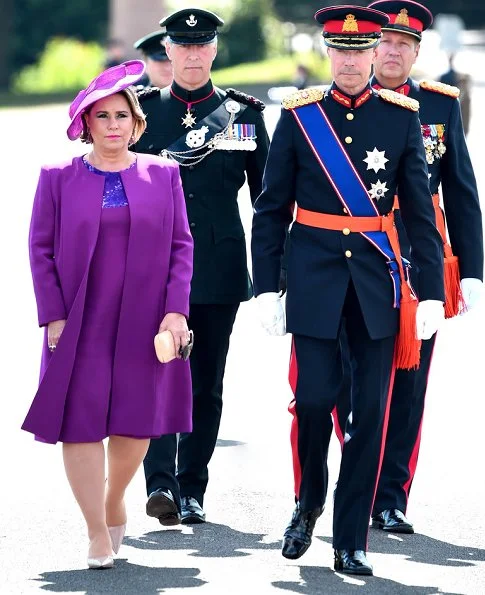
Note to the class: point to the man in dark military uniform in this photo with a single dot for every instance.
(328, 154)
(449, 165)
(158, 66)
(219, 139)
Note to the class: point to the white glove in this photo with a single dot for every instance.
(430, 315)
(271, 313)
(472, 290)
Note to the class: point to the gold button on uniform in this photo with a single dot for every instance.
(346, 231)
(348, 253)
(350, 116)
(348, 139)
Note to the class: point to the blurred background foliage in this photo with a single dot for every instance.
(37, 21)
(54, 45)
(49, 74)
(58, 46)
(274, 71)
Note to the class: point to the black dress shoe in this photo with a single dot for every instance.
(161, 505)
(192, 512)
(392, 520)
(298, 535)
(352, 562)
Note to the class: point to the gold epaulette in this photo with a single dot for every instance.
(399, 99)
(442, 88)
(302, 97)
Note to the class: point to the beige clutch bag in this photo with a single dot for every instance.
(165, 347)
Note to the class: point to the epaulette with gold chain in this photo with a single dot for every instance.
(302, 97)
(442, 88)
(399, 99)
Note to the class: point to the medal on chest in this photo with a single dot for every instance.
(237, 137)
(189, 119)
(378, 190)
(204, 140)
(376, 159)
(196, 138)
(434, 141)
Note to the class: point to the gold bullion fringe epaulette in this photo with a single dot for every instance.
(399, 99)
(302, 97)
(442, 88)
(254, 102)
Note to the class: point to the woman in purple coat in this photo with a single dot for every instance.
(111, 258)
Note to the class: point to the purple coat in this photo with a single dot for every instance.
(63, 234)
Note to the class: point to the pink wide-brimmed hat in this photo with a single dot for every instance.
(110, 81)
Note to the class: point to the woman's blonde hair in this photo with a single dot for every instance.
(136, 111)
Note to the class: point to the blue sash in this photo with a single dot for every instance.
(345, 180)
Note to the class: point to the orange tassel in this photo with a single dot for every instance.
(454, 302)
(408, 346)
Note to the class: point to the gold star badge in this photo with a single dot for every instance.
(188, 120)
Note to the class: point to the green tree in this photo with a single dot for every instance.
(244, 36)
(5, 42)
(250, 32)
(65, 65)
(302, 12)
(36, 21)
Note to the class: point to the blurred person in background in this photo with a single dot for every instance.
(115, 53)
(463, 82)
(302, 78)
(158, 66)
(111, 259)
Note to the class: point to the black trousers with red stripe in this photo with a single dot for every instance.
(316, 376)
(404, 428)
(404, 434)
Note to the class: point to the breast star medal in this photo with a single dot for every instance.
(378, 190)
(376, 160)
(189, 119)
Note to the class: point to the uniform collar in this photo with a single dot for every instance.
(196, 95)
(403, 89)
(350, 101)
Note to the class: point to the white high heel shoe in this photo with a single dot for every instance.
(101, 563)
(117, 533)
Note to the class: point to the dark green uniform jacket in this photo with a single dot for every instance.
(211, 187)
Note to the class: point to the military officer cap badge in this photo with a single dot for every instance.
(152, 46)
(351, 27)
(191, 26)
(405, 16)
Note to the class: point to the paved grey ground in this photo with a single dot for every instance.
(249, 501)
